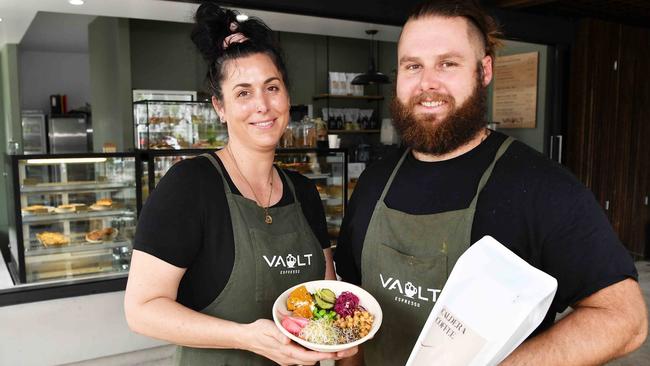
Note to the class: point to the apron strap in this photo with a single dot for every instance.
(488, 172)
(290, 183)
(484, 178)
(392, 176)
(217, 166)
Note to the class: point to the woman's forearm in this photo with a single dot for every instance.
(167, 320)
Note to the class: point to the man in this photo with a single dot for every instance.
(413, 214)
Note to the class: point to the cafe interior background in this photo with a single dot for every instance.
(98, 100)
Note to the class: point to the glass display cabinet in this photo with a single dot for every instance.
(326, 167)
(160, 124)
(74, 216)
(153, 164)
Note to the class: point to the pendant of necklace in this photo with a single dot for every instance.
(267, 216)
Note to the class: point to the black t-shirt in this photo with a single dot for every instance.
(530, 204)
(186, 222)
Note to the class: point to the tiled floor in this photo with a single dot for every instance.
(162, 356)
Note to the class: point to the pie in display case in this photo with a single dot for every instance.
(327, 168)
(164, 124)
(75, 216)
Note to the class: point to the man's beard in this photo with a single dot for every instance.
(423, 133)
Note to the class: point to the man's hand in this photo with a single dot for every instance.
(606, 325)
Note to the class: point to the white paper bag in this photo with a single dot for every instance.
(491, 302)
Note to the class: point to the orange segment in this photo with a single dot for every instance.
(299, 297)
(303, 311)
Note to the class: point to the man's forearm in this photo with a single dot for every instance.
(587, 336)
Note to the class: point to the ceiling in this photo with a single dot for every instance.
(634, 12)
(34, 24)
(20, 15)
(394, 12)
(57, 32)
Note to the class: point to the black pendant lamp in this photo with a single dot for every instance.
(372, 76)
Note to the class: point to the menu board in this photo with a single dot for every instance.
(514, 102)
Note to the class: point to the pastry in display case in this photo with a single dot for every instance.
(75, 216)
(161, 124)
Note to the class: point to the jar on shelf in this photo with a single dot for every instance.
(321, 130)
(308, 133)
(287, 139)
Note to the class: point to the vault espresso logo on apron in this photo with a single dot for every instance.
(410, 294)
(291, 263)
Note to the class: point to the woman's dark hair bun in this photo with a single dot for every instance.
(212, 25)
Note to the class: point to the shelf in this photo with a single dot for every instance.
(316, 176)
(358, 97)
(37, 249)
(352, 131)
(74, 187)
(72, 216)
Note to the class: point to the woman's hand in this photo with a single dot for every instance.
(264, 338)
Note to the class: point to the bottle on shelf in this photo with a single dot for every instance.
(308, 133)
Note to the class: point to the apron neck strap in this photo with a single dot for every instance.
(289, 183)
(484, 178)
(226, 186)
(392, 175)
(488, 172)
(211, 157)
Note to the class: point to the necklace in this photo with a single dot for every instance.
(267, 216)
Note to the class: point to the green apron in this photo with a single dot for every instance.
(405, 262)
(268, 260)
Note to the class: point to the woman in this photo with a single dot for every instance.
(224, 234)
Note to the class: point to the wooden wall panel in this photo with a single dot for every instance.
(592, 106)
(635, 113)
(609, 128)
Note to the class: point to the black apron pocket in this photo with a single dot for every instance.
(433, 263)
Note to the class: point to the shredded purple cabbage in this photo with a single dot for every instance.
(346, 304)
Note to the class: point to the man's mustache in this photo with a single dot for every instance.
(431, 97)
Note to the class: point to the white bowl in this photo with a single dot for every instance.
(365, 299)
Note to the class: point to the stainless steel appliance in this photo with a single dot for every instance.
(70, 133)
(34, 132)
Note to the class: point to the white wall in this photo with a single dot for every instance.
(45, 73)
(68, 330)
